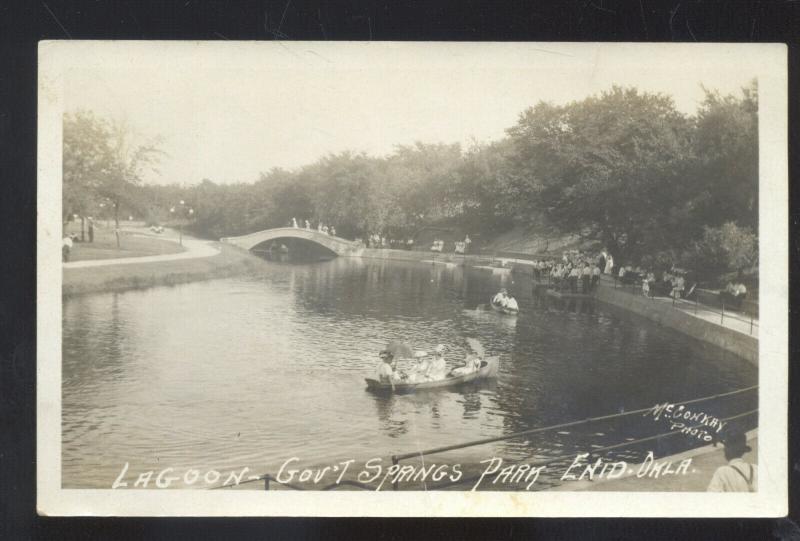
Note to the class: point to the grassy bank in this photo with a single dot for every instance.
(135, 241)
(231, 261)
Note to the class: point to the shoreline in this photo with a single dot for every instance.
(735, 342)
(86, 280)
(663, 313)
(233, 261)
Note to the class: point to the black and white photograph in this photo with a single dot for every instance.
(412, 279)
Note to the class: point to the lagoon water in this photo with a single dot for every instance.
(251, 371)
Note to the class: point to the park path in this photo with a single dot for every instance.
(193, 249)
(735, 321)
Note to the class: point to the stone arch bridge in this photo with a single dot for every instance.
(337, 245)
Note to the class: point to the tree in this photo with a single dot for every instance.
(728, 248)
(102, 161)
(419, 180)
(611, 167)
(347, 192)
(86, 160)
(281, 196)
(726, 169)
(485, 188)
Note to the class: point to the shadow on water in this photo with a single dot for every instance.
(393, 408)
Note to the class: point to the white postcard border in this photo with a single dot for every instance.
(56, 58)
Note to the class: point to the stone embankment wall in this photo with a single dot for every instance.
(663, 313)
(740, 344)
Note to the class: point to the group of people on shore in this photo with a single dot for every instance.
(575, 271)
(672, 282)
(734, 294)
(459, 247)
(580, 272)
(321, 227)
(376, 240)
(70, 238)
(381, 241)
(422, 366)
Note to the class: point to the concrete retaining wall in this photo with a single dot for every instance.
(733, 341)
(417, 255)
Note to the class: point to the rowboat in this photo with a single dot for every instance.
(503, 309)
(489, 367)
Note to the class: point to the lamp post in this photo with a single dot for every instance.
(111, 204)
(182, 212)
(75, 217)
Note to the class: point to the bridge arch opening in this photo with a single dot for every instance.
(293, 249)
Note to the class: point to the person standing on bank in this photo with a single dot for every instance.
(595, 276)
(586, 278)
(91, 229)
(737, 475)
(66, 248)
(609, 264)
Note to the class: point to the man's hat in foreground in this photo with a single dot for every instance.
(736, 441)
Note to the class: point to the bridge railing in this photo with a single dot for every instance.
(289, 232)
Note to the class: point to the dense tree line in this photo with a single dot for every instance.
(624, 168)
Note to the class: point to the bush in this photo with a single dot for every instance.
(724, 249)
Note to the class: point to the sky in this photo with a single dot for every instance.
(229, 111)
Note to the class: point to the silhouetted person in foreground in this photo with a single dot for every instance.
(737, 475)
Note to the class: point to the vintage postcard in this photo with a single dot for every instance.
(412, 279)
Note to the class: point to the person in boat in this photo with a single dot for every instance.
(511, 304)
(471, 364)
(438, 366)
(386, 372)
(501, 299)
(420, 372)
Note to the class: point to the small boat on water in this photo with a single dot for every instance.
(503, 309)
(488, 369)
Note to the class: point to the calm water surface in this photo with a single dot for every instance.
(251, 371)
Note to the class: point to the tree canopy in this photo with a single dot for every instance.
(624, 168)
(611, 167)
(101, 163)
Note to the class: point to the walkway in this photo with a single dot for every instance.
(735, 321)
(732, 321)
(194, 249)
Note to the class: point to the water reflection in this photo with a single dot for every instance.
(251, 371)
